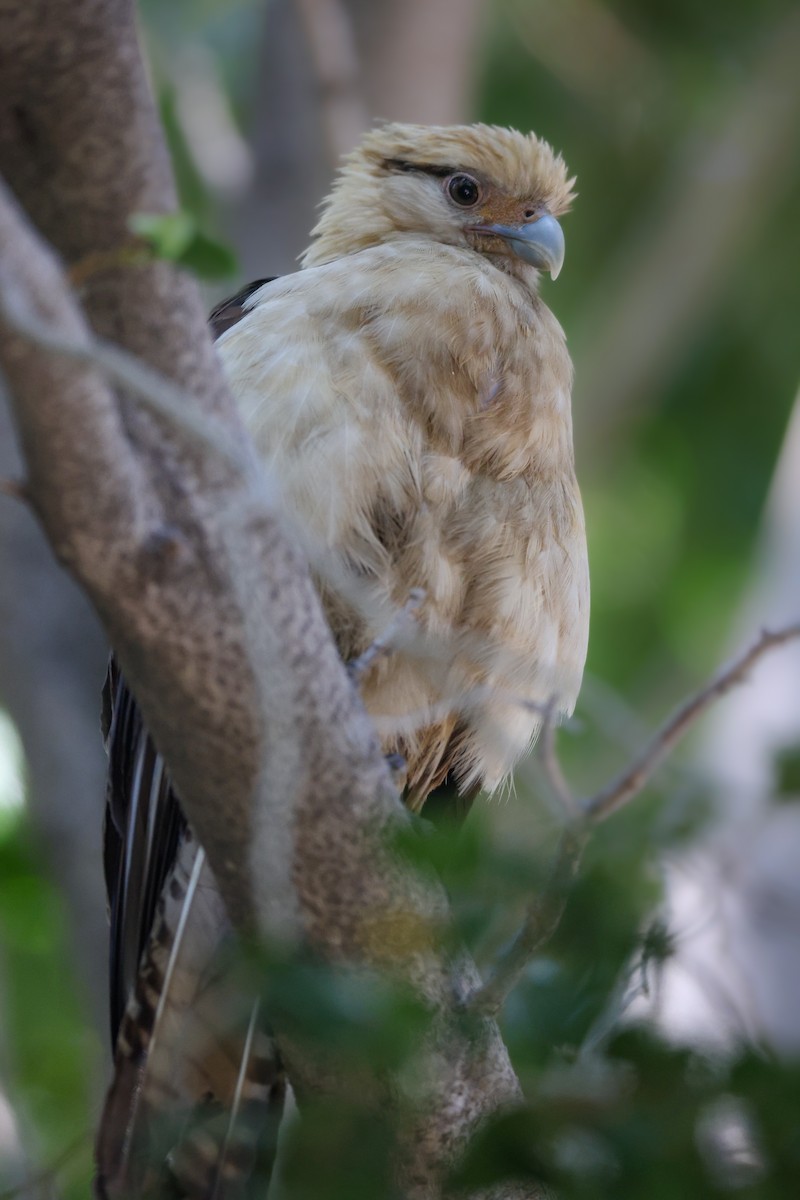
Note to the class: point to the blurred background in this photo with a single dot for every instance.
(680, 297)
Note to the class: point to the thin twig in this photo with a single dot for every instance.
(541, 921)
(158, 392)
(545, 910)
(387, 642)
(630, 782)
(550, 763)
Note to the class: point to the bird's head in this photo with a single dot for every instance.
(492, 190)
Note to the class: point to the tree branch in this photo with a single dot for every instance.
(120, 367)
(546, 909)
(542, 919)
(632, 780)
(386, 643)
(551, 766)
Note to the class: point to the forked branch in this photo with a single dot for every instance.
(545, 910)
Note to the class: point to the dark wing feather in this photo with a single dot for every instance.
(226, 314)
(143, 827)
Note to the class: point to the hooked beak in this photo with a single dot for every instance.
(540, 242)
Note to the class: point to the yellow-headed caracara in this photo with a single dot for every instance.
(410, 393)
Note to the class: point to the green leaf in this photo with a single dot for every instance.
(168, 234)
(177, 238)
(208, 258)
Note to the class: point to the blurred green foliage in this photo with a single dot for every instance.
(177, 238)
(673, 497)
(48, 1056)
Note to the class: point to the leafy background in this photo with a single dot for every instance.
(680, 297)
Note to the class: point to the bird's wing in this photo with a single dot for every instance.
(144, 826)
(197, 1090)
(367, 384)
(226, 314)
(355, 390)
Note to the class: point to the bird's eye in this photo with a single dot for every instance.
(463, 190)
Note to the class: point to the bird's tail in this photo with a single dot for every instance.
(198, 1091)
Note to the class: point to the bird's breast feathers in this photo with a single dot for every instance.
(413, 402)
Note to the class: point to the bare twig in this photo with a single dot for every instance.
(541, 921)
(158, 392)
(545, 911)
(550, 762)
(630, 782)
(386, 643)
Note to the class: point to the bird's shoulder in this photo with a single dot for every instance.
(432, 333)
(423, 287)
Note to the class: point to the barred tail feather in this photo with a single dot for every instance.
(197, 1082)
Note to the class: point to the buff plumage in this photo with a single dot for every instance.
(409, 391)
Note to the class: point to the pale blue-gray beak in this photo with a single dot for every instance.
(540, 242)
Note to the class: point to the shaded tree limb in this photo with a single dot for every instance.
(542, 918)
(329, 36)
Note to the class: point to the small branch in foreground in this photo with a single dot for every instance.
(125, 369)
(386, 643)
(541, 921)
(630, 782)
(545, 911)
(551, 765)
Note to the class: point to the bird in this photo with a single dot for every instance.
(409, 392)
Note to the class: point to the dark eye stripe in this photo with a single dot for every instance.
(400, 164)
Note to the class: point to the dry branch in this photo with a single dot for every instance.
(385, 644)
(541, 921)
(629, 783)
(545, 910)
